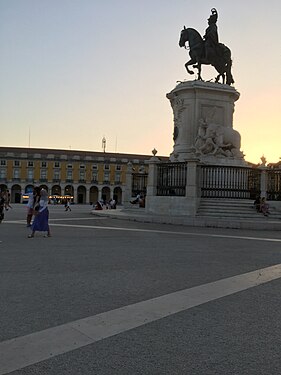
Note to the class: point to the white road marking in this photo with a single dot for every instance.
(168, 232)
(77, 218)
(61, 219)
(39, 346)
(156, 231)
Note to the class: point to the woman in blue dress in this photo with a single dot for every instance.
(41, 218)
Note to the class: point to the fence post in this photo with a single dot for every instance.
(128, 186)
(263, 181)
(151, 189)
(192, 187)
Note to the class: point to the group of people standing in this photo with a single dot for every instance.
(37, 208)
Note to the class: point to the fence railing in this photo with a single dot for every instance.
(274, 185)
(229, 182)
(171, 179)
(139, 184)
(215, 181)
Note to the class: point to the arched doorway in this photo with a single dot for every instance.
(81, 194)
(117, 195)
(69, 191)
(44, 187)
(94, 194)
(56, 190)
(105, 193)
(16, 194)
(28, 189)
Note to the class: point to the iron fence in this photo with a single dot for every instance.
(171, 179)
(139, 184)
(229, 182)
(274, 185)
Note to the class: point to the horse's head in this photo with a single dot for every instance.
(183, 37)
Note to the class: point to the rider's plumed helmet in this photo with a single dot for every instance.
(214, 16)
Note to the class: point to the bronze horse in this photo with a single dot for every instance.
(222, 63)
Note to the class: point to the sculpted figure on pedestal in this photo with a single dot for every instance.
(217, 140)
(208, 51)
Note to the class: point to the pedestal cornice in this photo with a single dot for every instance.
(207, 87)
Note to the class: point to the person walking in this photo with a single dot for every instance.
(33, 201)
(67, 205)
(41, 216)
(7, 198)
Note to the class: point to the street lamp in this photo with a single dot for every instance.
(103, 144)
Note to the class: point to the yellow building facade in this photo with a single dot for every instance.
(84, 176)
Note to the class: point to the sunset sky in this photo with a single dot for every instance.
(73, 71)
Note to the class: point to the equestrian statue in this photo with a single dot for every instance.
(208, 50)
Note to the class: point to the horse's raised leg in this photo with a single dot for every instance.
(190, 62)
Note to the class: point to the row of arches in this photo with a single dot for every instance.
(81, 194)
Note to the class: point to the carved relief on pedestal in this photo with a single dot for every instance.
(217, 140)
(213, 113)
(178, 107)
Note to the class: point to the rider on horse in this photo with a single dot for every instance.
(211, 37)
(208, 50)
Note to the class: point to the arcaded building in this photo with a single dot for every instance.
(82, 175)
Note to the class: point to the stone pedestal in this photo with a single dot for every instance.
(203, 123)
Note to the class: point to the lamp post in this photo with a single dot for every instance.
(103, 144)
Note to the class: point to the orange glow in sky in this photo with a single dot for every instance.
(72, 72)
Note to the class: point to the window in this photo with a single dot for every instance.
(57, 164)
(69, 166)
(56, 175)
(30, 164)
(3, 162)
(30, 174)
(117, 177)
(82, 166)
(106, 176)
(82, 175)
(16, 173)
(94, 167)
(16, 163)
(94, 176)
(43, 174)
(118, 167)
(2, 173)
(106, 167)
(44, 164)
(69, 174)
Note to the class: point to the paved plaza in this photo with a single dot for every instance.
(108, 296)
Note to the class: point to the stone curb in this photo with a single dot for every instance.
(212, 222)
